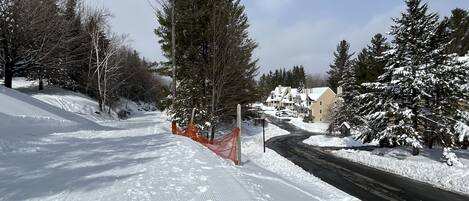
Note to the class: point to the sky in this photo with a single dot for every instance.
(289, 32)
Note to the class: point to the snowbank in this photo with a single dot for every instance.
(286, 171)
(311, 127)
(16, 104)
(70, 101)
(23, 118)
(130, 108)
(327, 141)
(426, 167)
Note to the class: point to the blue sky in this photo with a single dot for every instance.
(289, 32)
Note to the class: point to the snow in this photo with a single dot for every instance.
(311, 127)
(451, 158)
(277, 94)
(426, 167)
(316, 93)
(327, 141)
(67, 100)
(462, 129)
(21, 114)
(288, 95)
(287, 172)
(135, 159)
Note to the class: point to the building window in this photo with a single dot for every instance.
(320, 111)
(320, 119)
(320, 103)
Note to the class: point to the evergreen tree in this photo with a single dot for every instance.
(75, 49)
(215, 69)
(345, 110)
(401, 108)
(458, 25)
(294, 78)
(342, 60)
(370, 62)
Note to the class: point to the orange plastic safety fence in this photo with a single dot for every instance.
(225, 146)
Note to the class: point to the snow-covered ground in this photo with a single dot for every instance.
(426, 167)
(285, 171)
(296, 121)
(67, 100)
(311, 127)
(66, 156)
(328, 141)
(320, 128)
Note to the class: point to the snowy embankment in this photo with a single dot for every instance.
(135, 159)
(320, 128)
(286, 171)
(328, 141)
(311, 127)
(426, 167)
(64, 99)
(23, 118)
(296, 121)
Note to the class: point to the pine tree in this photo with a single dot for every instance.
(370, 62)
(362, 65)
(345, 110)
(402, 96)
(343, 71)
(75, 49)
(342, 60)
(215, 69)
(458, 25)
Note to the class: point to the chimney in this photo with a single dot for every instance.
(339, 90)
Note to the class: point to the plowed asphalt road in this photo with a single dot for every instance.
(358, 180)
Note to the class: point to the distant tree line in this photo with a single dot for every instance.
(212, 51)
(412, 91)
(294, 78)
(71, 46)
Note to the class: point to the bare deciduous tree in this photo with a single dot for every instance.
(105, 64)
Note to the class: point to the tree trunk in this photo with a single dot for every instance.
(109, 110)
(212, 133)
(100, 104)
(415, 150)
(8, 74)
(41, 84)
(430, 142)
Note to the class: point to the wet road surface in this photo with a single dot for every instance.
(355, 179)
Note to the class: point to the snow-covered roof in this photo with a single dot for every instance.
(291, 95)
(346, 125)
(316, 93)
(278, 94)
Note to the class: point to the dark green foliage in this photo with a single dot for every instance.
(370, 62)
(416, 98)
(345, 109)
(75, 49)
(342, 61)
(294, 78)
(458, 26)
(215, 69)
